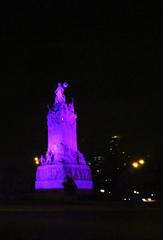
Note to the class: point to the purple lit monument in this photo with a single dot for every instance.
(63, 159)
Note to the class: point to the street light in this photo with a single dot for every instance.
(138, 163)
(141, 161)
(135, 164)
(37, 162)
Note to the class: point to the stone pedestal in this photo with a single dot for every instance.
(53, 176)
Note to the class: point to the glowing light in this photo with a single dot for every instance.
(115, 136)
(37, 162)
(141, 161)
(135, 192)
(135, 164)
(148, 200)
(102, 190)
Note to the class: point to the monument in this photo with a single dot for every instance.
(63, 160)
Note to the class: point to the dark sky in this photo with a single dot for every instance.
(112, 58)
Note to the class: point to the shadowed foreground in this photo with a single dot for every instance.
(77, 222)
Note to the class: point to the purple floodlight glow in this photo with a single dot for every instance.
(62, 158)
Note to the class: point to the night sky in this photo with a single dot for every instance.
(112, 58)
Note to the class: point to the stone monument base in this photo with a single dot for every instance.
(54, 176)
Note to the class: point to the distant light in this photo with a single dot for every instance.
(125, 199)
(110, 149)
(135, 192)
(148, 200)
(37, 162)
(135, 164)
(62, 119)
(102, 190)
(98, 170)
(115, 136)
(152, 194)
(129, 199)
(125, 164)
(106, 180)
(109, 192)
(123, 152)
(141, 161)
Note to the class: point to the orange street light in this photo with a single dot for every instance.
(135, 164)
(37, 162)
(141, 161)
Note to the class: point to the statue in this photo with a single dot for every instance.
(60, 97)
(49, 159)
(42, 160)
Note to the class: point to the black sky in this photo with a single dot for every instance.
(111, 56)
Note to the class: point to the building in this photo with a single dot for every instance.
(109, 165)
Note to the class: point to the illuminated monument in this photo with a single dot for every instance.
(63, 159)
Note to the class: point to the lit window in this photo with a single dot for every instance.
(102, 190)
(115, 136)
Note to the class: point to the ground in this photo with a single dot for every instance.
(78, 221)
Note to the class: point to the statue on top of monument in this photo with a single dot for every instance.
(60, 97)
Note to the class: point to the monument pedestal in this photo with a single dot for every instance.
(53, 176)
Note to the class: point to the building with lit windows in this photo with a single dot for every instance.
(109, 165)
